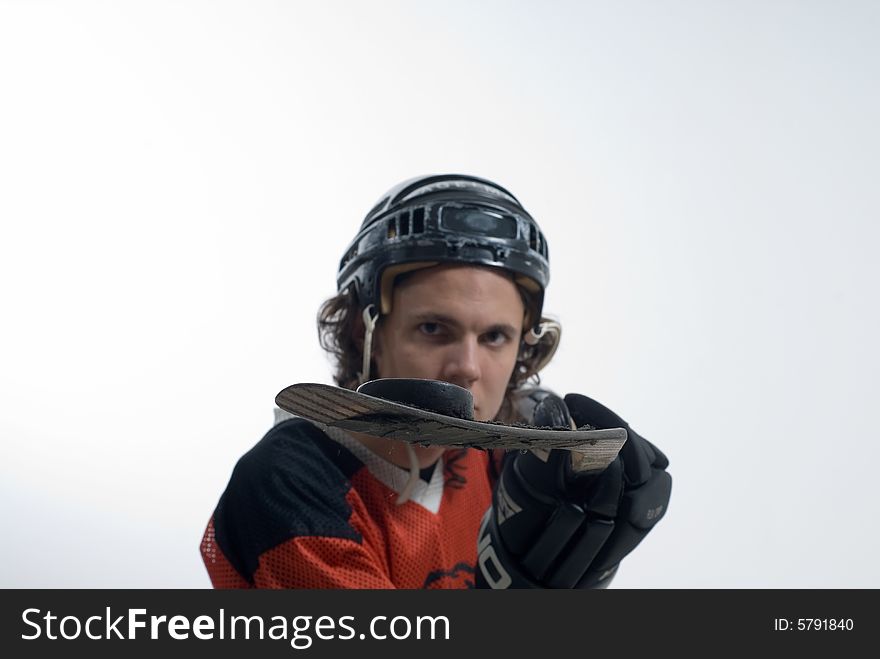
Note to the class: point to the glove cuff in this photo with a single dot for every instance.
(496, 567)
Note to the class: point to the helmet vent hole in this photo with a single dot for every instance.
(349, 255)
(533, 237)
(403, 219)
(392, 228)
(418, 220)
(543, 244)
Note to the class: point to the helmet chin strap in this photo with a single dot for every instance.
(370, 316)
(413, 478)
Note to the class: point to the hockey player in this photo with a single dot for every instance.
(444, 281)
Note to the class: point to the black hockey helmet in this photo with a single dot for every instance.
(444, 218)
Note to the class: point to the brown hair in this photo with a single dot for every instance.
(341, 334)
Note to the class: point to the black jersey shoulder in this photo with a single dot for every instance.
(293, 483)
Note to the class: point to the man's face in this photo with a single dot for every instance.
(459, 324)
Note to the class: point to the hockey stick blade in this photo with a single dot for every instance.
(350, 410)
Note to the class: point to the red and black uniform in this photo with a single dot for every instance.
(307, 508)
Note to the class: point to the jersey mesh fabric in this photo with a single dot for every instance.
(222, 574)
(302, 511)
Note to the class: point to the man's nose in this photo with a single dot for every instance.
(462, 364)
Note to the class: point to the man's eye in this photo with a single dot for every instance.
(431, 329)
(496, 338)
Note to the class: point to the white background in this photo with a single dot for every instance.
(179, 179)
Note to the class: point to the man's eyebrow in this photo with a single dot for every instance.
(504, 328)
(434, 317)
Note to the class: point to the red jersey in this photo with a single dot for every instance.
(312, 509)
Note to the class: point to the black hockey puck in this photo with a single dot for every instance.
(433, 395)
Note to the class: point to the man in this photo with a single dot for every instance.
(444, 281)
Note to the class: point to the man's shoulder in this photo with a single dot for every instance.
(293, 483)
(293, 473)
(297, 448)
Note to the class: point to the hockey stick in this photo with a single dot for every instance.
(359, 412)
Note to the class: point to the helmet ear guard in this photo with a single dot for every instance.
(544, 328)
(546, 331)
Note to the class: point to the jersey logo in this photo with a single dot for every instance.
(460, 576)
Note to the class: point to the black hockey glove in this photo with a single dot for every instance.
(552, 526)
